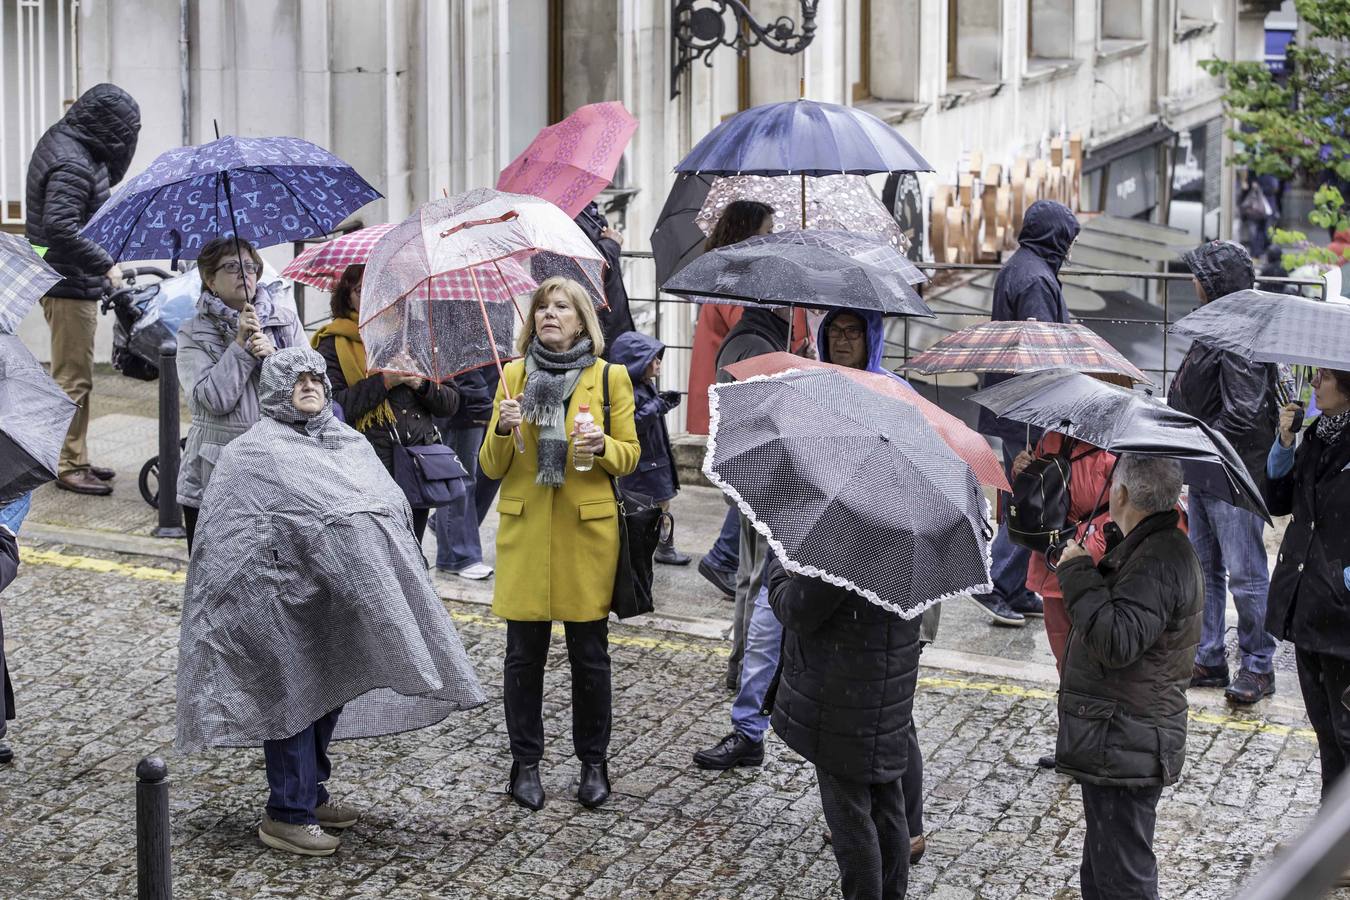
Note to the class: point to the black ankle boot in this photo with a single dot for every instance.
(594, 789)
(525, 788)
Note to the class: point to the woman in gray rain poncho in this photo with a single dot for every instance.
(309, 614)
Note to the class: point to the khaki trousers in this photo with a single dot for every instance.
(72, 324)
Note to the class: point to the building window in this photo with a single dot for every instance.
(1194, 10)
(1121, 20)
(974, 40)
(858, 27)
(892, 43)
(1050, 29)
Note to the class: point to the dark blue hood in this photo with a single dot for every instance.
(635, 351)
(1048, 230)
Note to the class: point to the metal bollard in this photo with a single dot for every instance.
(170, 513)
(154, 863)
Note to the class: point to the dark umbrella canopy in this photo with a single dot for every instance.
(824, 269)
(268, 190)
(1273, 328)
(851, 487)
(34, 416)
(1125, 421)
(677, 240)
(803, 137)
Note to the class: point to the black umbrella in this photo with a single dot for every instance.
(1125, 421)
(852, 487)
(805, 268)
(1274, 328)
(677, 240)
(34, 416)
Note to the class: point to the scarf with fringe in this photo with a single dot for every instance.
(550, 378)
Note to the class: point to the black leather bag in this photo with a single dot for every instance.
(640, 524)
(430, 476)
(1038, 515)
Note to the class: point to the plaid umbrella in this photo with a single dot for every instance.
(24, 278)
(571, 162)
(1024, 347)
(851, 487)
(323, 264)
(805, 268)
(34, 416)
(1278, 328)
(964, 442)
(440, 290)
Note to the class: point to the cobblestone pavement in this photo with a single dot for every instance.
(92, 642)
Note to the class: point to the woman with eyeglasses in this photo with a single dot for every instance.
(220, 352)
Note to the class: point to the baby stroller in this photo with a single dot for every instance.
(144, 318)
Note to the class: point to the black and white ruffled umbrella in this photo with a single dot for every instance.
(850, 487)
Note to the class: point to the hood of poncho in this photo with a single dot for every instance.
(1221, 267)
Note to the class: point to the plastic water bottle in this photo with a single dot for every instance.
(582, 460)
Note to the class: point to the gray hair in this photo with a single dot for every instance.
(1154, 482)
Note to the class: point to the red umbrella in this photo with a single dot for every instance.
(964, 442)
(571, 162)
(323, 264)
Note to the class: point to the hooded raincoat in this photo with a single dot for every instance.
(307, 592)
(1236, 397)
(655, 475)
(1028, 287)
(72, 169)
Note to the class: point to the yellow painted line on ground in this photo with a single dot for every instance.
(936, 682)
(103, 566)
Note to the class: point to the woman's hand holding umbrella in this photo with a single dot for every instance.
(1290, 413)
(248, 326)
(509, 416)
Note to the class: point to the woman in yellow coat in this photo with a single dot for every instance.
(558, 540)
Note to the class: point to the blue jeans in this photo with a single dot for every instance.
(1233, 556)
(297, 767)
(1009, 569)
(726, 550)
(763, 647)
(456, 525)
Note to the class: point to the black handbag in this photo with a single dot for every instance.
(640, 524)
(430, 475)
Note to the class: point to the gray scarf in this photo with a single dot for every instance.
(550, 378)
(1330, 428)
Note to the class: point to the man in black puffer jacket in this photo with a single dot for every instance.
(1135, 622)
(1239, 400)
(73, 167)
(844, 702)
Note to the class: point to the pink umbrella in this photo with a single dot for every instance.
(570, 163)
(323, 264)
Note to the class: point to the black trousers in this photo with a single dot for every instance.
(1324, 679)
(1118, 860)
(190, 524)
(523, 688)
(869, 834)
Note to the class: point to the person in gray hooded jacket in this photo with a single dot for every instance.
(220, 351)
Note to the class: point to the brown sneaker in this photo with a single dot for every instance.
(1250, 687)
(83, 482)
(305, 840)
(1209, 676)
(335, 815)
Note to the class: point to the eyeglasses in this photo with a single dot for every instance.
(232, 267)
(848, 332)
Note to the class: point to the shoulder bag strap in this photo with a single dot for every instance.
(604, 378)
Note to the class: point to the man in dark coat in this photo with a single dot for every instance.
(759, 331)
(1239, 400)
(655, 475)
(1027, 287)
(73, 167)
(1122, 695)
(615, 320)
(844, 703)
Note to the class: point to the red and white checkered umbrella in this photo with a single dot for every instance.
(1021, 347)
(323, 264)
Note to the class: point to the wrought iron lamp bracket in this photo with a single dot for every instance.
(697, 27)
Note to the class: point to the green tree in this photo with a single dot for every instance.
(1300, 127)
